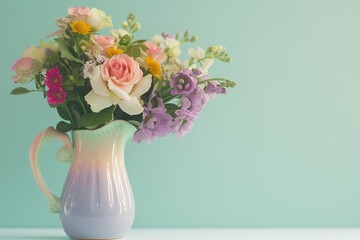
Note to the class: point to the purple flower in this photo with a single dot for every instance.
(196, 71)
(183, 82)
(192, 106)
(213, 88)
(156, 122)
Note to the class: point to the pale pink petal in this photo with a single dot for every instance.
(23, 64)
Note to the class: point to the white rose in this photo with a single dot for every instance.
(98, 19)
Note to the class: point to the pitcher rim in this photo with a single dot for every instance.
(105, 126)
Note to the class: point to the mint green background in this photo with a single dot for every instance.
(282, 149)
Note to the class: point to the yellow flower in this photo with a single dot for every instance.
(111, 51)
(153, 66)
(80, 27)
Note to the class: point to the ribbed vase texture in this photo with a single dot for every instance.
(97, 200)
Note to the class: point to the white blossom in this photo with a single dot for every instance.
(197, 53)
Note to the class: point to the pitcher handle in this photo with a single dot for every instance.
(65, 154)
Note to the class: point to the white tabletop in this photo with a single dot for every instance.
(200, 234)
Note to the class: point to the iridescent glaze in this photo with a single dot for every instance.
(97, 200)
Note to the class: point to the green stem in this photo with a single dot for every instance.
(166, 91)
(82, 104)
(170, 97)
(214, 79)
(73, 122)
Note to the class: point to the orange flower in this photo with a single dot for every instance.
(111, 51)
(80, 27)
(153, 66)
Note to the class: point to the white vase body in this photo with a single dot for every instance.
(97, 201)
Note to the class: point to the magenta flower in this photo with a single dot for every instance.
(53, 80)
(56, 95)
(53, 77)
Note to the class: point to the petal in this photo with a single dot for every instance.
(118, 91)
(97, 83)
(142, 86)
(131, 107)
(97, 102)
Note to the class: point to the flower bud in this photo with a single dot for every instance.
(212, 49)
(193, 38)
(196, 71)
(137, 26)
(125, 24)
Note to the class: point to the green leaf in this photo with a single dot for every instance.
(63, 113)
(97, 119)
(139, 41)
(19, 90)
(137, 124)
(125, 40)
(65, 52)
(175, 102)
(68, 87)
(172, 106)
(80, 82)
(134, 50)
(64, 126)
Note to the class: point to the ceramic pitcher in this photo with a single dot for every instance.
(97, 200)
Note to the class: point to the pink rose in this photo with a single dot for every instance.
(122, 72)
(155, 52)
(118, 81)
(104, 41)
(22, 67)
(80, 12)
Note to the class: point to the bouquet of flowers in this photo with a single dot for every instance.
(93, 79)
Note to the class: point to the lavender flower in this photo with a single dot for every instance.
(196, 71)
(156, 121)
(183, 82)
(213, 88)
(192, 105)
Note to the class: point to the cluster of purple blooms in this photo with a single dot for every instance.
(157, 119)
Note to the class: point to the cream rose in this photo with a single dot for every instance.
(119, 80)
